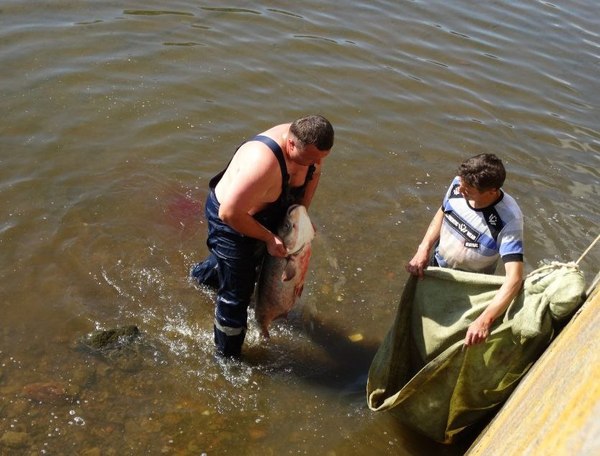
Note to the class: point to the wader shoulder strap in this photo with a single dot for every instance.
(271, 144)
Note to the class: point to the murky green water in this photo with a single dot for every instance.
(114, 117)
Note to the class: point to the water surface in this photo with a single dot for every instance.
(116, 115)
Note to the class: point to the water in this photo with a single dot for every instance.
(114, 118)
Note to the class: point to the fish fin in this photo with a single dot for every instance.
(298, 290)
(289, 272)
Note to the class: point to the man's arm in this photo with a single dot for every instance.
(479, 330)
(248, 187)
(419, 262)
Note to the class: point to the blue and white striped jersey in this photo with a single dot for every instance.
(474, 239)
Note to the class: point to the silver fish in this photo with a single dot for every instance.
(282, 279)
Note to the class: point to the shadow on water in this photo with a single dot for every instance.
(341, 366)
(331, 361)
(348, 361)
(384, 436)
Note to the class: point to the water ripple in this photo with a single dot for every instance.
(112, 114)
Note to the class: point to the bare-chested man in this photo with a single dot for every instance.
(248, 199)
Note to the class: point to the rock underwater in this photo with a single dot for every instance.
(111, 339)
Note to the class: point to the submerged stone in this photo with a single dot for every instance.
(14, 440)
(111, 339)
(125, 348)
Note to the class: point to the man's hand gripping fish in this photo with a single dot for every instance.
(282, 279)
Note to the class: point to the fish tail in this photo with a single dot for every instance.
(265, 332)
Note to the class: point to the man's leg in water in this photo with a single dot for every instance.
(206, 273)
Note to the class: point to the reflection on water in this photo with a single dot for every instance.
(114, 120)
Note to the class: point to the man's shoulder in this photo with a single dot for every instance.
(452, 191)
(510, 204)
(256, 152)
(253, 163)
(276, 131)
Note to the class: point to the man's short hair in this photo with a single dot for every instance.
(315, 130)
(483, 171)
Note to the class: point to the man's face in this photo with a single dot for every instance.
(478, 196)
(307, 155)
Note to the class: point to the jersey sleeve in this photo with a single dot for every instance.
(511, 240)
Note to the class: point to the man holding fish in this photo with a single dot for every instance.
(248, 200)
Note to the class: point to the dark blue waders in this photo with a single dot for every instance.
(233, 264)
(232, 267)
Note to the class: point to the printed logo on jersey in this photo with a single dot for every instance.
(463, 228)
(493, 221)
(455, 192)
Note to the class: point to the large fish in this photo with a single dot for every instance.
(282, 279)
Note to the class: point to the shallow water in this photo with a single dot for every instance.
(115, 117)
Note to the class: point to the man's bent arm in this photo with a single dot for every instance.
(248, 190)
(479, 330)
(247, 225)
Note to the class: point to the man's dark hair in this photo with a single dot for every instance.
(315, 130)
(483, 171)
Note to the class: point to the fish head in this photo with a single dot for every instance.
(296, 229)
